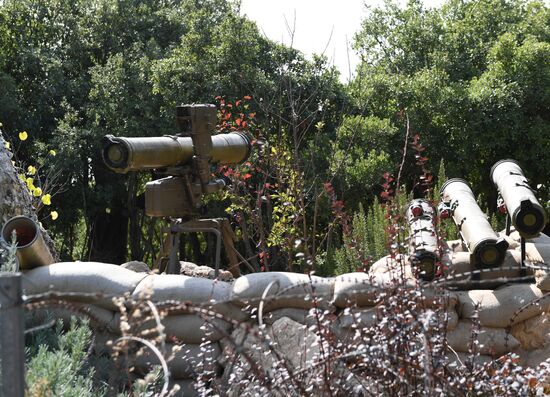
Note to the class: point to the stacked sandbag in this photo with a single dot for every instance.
(185, 362)
(503, 307)
(282, 290)
(89, 282)
(520, 312)
(197, 292)
(459, 274)
(367, 289)
(537, 255)
(491, 341)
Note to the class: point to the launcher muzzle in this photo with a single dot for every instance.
(31, 248)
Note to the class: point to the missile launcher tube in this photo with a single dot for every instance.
(138, 154)
(485, 246)
(527, 215)
(423, 247)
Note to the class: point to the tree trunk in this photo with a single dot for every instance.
(108, 238)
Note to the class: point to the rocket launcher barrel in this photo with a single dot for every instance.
(138, 154)
(32, 251)
(527, 215)
(423, 248)
(486, 249)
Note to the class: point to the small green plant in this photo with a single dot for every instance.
(59, 367)
(8, 259)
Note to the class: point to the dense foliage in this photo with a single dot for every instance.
(471, 78)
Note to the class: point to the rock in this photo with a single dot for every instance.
(533, 333)
(136, 266)
(190, 269)
(492, 341)
(184, 361)
(460, 359)
(299, 350)
(534, 358)
(503, 307)
(299, 346)
(302, 316)
(542, 279)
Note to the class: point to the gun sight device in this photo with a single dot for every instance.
(186, 162)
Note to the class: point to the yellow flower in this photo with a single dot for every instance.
(46, 199)
(1, 125)
(23, 135)
(31, 170)
(54, 215)
(108, 210)
(30, 184)
(7, 145)
(37, 192)
(22, 177)
(52, 152)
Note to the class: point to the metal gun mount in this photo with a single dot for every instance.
(185, 160)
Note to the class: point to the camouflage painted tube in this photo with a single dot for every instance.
(423, 247)
(31, 248)
(122, 154)
(485, 247)
(526, 213)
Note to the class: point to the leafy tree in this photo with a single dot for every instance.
(472, 78)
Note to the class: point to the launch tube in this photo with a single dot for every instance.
(486, 248)
(138, 154)
(526, 213)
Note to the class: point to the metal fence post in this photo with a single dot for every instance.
(12, 338)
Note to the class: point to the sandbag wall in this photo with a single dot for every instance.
(198, 316)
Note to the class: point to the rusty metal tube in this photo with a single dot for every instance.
(122, 154)
(487, 249)
(31, 248)
(526, 213)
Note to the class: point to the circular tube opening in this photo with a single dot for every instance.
(529, 220)
(25, 229)
(489, 255)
